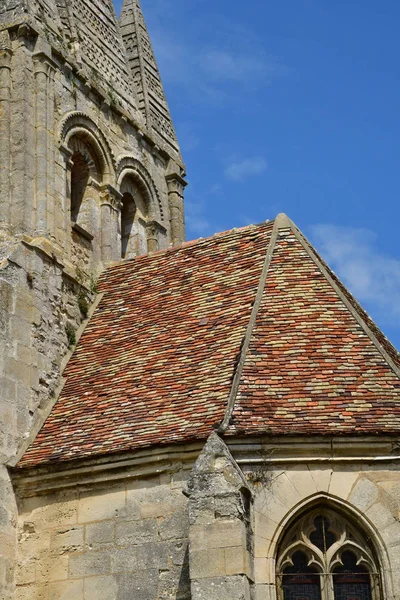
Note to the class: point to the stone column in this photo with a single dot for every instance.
(44, 73)
(23, 133)
(176, 184)
(5, 133)
(66, 154)
(110, 229)
(220, 535)
(156, 236)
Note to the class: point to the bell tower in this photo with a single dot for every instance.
(90, 173)
(89, 157)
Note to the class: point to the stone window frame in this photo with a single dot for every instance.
(131, 171)
(349, 537)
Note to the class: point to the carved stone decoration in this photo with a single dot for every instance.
(129, 165)
(320, 553)
(81, 125)
(145, 73)
(100, 45)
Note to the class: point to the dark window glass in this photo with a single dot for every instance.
(301, 582)
(322, 537)
(351, 581)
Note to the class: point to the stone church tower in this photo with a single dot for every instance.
(90, 172)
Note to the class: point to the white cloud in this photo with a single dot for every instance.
(371, 276)
(210, 72)
(248, 167)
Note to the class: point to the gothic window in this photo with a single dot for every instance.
(324, 557)
(134, 217)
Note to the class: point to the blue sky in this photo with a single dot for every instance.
(292, 106)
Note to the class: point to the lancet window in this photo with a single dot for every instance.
(325, 557)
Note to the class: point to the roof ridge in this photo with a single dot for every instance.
(279, 222)
(356, 311)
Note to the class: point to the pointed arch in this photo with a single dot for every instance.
(302, 515)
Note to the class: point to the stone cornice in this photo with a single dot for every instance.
(247, 452)
(311, 449)
(142, 463)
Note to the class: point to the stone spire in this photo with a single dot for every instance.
(146, 76)
(92, 33)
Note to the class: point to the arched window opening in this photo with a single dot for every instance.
(85, 181)
(134, 218)
(79, 181)
(128, 212)
(323, 556)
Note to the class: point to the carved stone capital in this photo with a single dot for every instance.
(67, 155)
(111, 196)
(44, 64)
(154, 228)
(176, 184)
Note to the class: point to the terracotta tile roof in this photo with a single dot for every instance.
(248, 328)
(155, 362)
(311, 367)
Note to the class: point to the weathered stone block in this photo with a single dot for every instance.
(221, 588)
(140, 586)
(174, 526)
(152, 556)
(237, 561)
(101, 588)
(66, 590)
(102, 504)
(50, 568)
(89, 564)
(58, 508)
(100, 534)
(207, 563)
(136, 532)
(67, 539)
(364, 493)
(125, 560)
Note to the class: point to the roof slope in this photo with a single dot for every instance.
(313, 365)
(155, 362)
(248, 330)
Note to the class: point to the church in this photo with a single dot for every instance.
(208, 420)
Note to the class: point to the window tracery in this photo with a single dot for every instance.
(324, 557)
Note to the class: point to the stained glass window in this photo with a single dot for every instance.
(324, 557)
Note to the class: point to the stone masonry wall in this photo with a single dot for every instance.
(116, 542)
(40, 311)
